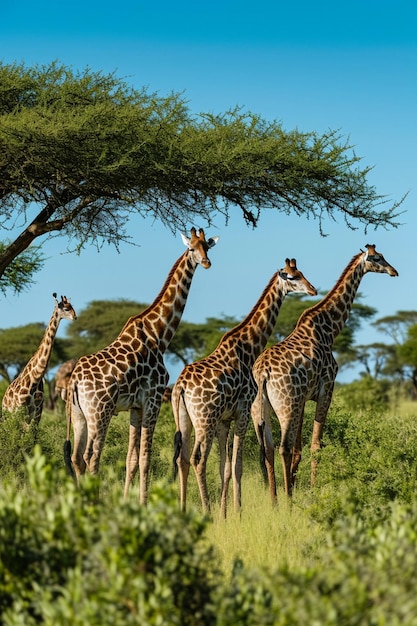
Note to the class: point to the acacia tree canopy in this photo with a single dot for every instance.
(83, 151)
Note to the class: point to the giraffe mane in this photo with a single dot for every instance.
(312, 309)
(252, 312)
(158, 297)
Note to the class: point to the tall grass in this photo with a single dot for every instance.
(369, 460)
(264, 536)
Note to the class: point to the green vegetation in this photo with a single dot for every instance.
(155, 158)
(342, 553)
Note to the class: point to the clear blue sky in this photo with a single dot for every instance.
(315, 66)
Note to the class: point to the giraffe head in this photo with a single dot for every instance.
(198, 246)
(295, 279)
(65, 308)
(375, 262)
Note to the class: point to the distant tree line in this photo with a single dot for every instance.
(100, 322)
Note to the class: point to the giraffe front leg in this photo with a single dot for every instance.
(237, 467)
(132, 457)
(146, 438)
(289, 431)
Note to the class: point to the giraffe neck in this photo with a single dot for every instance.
(160, 320)
(332, 312)
(38, 364)
(254, 331)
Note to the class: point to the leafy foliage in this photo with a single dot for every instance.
(77, 556)
(154, 158)
(18, 275)
(66, 560)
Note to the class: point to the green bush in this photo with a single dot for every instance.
(71, 557)
(365, 393)
(87, 556)
(16, 441)
(369, 459)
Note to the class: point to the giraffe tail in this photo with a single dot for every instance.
(177, 452)
(67, 443)
(261, 429)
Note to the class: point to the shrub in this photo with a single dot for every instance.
(69, 556)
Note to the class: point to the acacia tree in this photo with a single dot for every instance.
(82, 151)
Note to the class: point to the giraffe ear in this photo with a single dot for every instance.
(212, 241)
(186, 241)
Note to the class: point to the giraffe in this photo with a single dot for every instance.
(302, 367)
(26, 390)
(130, 374)
(209, 394)
(62, 377)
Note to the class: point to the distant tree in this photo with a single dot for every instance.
(195, 341)
(408, 355)
(99, 324)
(396, 326)
(379, 360)
(400, 328)
(81, 152)
(102, 320)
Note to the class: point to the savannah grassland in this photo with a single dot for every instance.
(344, 552)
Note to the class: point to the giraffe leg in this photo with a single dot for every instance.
(268, 443)
(199, 462)
(96, 437)
(79, 425)
(93, 452)
(260, 411)
(323, 404)
(237, 466)
(289, 430)
(132, 457)
(223, 433)
(146, 438)
(183, 439)
(296, 452)
(285, 453)
(242, 420)
(184, 470)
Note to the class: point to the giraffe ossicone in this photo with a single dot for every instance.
(26, 390)
(211, 393)
(130, 375)
(302, 367)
